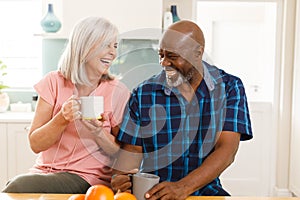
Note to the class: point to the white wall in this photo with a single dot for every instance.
(294, 182)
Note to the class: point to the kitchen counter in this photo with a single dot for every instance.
(16, 117)
(36, 196)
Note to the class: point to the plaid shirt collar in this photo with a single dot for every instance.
(209, 80)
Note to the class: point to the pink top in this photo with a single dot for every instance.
(76, 151)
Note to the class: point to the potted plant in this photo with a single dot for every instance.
(4, 98)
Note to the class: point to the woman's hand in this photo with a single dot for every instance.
(95, 126)
(104, 138)
(71, 109)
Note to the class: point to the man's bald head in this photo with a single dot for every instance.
(189, 29)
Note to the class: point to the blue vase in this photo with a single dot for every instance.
(174, 13)
(50, 23)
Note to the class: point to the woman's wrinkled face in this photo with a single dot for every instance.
(101, 59)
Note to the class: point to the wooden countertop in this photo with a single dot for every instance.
(21, 196)
(16, 117)
(36, 196)
(242, 198)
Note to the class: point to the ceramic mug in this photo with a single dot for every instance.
(91, 107)
(142, 182)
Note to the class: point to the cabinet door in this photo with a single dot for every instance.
(3, 155)
(249, 174)
(20, 156)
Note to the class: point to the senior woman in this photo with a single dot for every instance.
(75, 153)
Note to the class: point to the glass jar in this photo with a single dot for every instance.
(34, 101)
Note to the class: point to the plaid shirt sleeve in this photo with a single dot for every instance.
(130, 126)
(237, 113)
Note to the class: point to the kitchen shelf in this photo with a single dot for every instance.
(50, 35)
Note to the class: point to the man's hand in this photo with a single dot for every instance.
(122, 181)
(167, 190)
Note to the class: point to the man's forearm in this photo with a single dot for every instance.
(128, 159)
(213, 165)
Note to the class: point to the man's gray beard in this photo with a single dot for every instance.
(180, 79)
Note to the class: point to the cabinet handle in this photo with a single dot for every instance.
(27, 128)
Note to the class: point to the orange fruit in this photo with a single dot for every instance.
(77, 197)
(124, 196)
(99, 192)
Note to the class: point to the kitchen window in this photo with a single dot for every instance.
(20, 50)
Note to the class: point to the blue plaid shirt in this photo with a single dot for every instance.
(177, 135)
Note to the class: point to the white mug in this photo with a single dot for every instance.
(91, 107)
(142, 182)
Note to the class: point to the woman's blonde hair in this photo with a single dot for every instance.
(87, 33)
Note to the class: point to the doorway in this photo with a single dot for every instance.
(241, 38)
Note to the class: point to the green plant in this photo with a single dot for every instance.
(3, 73)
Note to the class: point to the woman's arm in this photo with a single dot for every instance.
(45, 130)
(108, 142)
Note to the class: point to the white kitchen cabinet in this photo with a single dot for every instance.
(3, 155)
(20, 156)
(16, 156)
(129, 16)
